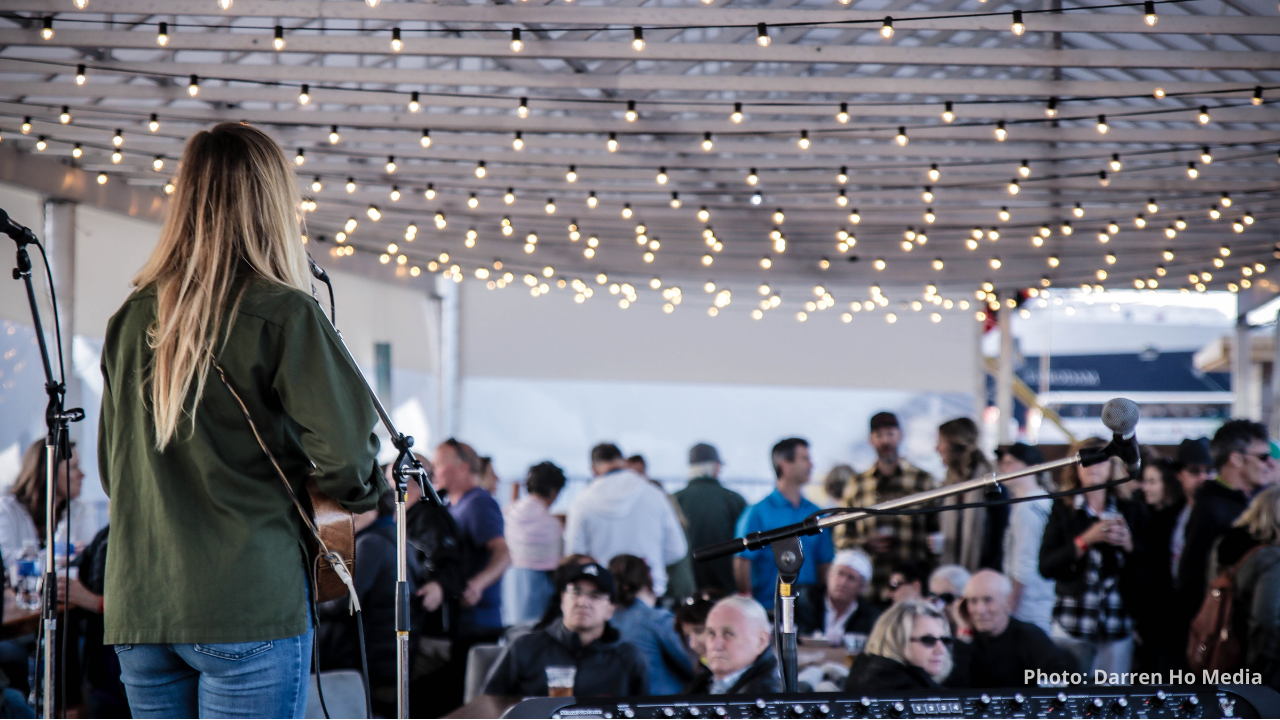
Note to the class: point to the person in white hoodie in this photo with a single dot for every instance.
(622, 513)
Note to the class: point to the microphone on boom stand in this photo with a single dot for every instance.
(1120, 415)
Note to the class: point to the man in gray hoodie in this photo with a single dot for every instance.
(622, 513)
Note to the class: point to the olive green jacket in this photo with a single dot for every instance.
(206, 546)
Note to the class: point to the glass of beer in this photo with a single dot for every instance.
(560, 680)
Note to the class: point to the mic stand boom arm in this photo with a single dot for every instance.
(788, 555)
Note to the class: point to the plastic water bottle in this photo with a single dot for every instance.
(27, 581)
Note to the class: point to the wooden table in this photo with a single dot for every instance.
(819, 652)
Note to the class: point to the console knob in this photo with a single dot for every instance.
(985, 699)
(1061, 698)
(721, 711)
(1160, 697)
(668, 712)
(760, 703)
(865, 701)
(1122, 703)
(897, 708)
(628, 713)
(693, 712)
(797, 710)
(1019, 698)
(824, 710)
(1228, 707)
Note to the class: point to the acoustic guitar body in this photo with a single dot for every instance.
(337, 528)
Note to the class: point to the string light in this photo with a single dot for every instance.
(1225, 201)
(1077, 211)
(707, 144)
(304, 94)
(1180, 223)
(64, 117)
(116, 157)
(626, 211)
(1206, 157)
(1192, 172)
(929, 217)
(995, 263)
(637, 38)
(1115, 162)
(1152, 207)
(1066, 228)
(1140, 221)
(934, 172)
(278, 41)
(947, 113)
(46, 28)
(735, 117)
(1102, 124)
(1001, 133)
(522, 110)
(675, 201)
(1014, 187)
(1018, 28)
(351, 185)
(425, 141)
(704, 214)
(842, 177)
(842, 117)
(927, 195)
(779, 217)
(430, 192)
(396, 44)
(473, 202)
(169, 187)
(77, 151)
(662, 176)
(316, 185)
(1149, 12)
(102, 178)
(1103, 180)
(414, 105)
(1257, 95)
(118, 138)
(572, 175)
(1158, 93)
(480, 169)
(762, 35)
(374, 213)
(612, 143)
(516, 43)
(1051, 109)
(391, 163)
(41, 143)
(886, 30)
(351, 225)
(1004, 214)
(158, 163)
(1214, 213)
(80, 76)
(901, 137)
(591, 199)
(1113, 228)
(1024, 169)
(509, 197)
(300, 158)
(803, 140)
(162, 37)
(1203, 117)
(517, 142)
(334, 137)
(193, 86)
(752, 177)
(154, 124)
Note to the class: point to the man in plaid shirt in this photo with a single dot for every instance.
(890, 539)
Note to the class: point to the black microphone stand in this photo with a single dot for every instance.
(406, 465)
(57, 447)
(788, 554)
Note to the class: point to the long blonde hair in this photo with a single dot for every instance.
(892, 632)
(234, 211)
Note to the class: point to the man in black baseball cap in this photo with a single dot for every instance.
(580, 644)
(712, 511)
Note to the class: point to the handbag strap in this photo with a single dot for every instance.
(335, 561)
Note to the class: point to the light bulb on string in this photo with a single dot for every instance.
(517, 44)
(1003, 214)
(473, 202)
(430, 192)
(1103, 180)
(757, 198)
(842, 177)
(1139, 221)
(1152, 207)
(334, 137)
(46, 28)
(304, 94)
(637, 38)
(947, 113)
(414, 105)
(517, 142)
(735, 117)
(661, 177)
(102, 178)
(762, 35)
(76, 150)
(118, 138)
(300, 158)
(612, 143)
(886, 30)
(116, 157)
(157, 164)
(842, 116)
(425, 140)
(1192, 172)
(1051, 108)
(481, 170)
(1257, 95)
(1225, 200)
(193, 86)
(752, 177)
(509, 196)
(64, 117)
(316, 185)
(278, 41)
(707, 144)
(41, 143)
(1018, 27)
(1001, 133)
(1113, 228)
(901, 137)
(704, 214)
(803, 140)
(1066, 228)
(927, 195)
(391, 164)
(631, 115)
(1149, 12)
(80, 76)
(1115, 162)
(1024, 169)
(1214, 213)
(675, 201)
(1014, 187)
(572, 174)
(1078, 211)
(522, 110)
(1180, 223)
(154, 123)
(1103, 127)
(162, 36)
(626, 211)
(396, 44)
(1203, 116)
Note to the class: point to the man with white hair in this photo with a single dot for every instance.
(1004, 648)
(836, 608)
(740, 658)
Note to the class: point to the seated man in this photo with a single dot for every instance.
(739, 657)
(1003, 647)
(836, 607)
(581, 638)
(906, 582)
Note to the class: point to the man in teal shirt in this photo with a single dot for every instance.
(753, 570)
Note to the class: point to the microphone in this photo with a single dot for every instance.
(21, 234)
(1120, 415)
(316, 271)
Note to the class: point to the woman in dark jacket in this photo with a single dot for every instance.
(1257, 596)
(909, 649)
(207, 574)
(1090, 550)
(1160, 501)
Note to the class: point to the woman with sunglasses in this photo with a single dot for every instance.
(909, 648)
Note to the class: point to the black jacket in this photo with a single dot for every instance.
(1058, 559)
(712, 511)
(811, 612)
(1001, 661)
(1216, 507)
(876, 672)
(1164, 638)
(606, 667)
(1257, 601)
(760, 678)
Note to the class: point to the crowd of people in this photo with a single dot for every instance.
(608, 596)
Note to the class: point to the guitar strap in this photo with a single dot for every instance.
(334, 560)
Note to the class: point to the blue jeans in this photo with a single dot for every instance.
(261, 679)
